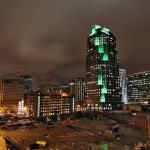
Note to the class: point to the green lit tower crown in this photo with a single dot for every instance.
(102, 70)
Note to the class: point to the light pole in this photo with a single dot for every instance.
(148, 129)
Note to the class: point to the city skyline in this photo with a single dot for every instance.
(75, 75)
(56, 31)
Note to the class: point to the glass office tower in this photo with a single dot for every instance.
(102, 71)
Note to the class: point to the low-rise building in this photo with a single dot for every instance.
(48, 100)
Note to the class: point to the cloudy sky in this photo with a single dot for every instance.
(47, 38)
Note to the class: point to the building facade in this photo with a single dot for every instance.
(77, 90)
(11, 93)
(48, 105)
(39, 104)
(30, 103)
(102, 71)
(139, 87)
(123, 85)
(48, 100)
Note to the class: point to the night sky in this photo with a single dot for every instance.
(47, 39)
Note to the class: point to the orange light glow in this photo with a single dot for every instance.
(64, 94)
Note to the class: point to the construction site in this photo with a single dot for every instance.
(82, 134)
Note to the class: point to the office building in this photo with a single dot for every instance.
(48, 105)
(52, 99)
(77, 90)
(139, 87)
(102, 71)
(123, 85)
(27, 80)
(11, 93)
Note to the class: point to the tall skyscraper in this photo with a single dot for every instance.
(27, 83)
(102, 70)
(139, 86)
(123, 85)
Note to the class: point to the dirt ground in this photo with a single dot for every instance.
(85, 133)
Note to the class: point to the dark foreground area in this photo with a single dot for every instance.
(80, 134)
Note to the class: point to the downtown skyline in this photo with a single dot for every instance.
(74, 74)
(48, 39)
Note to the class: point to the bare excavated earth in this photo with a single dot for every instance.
(84, 133)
